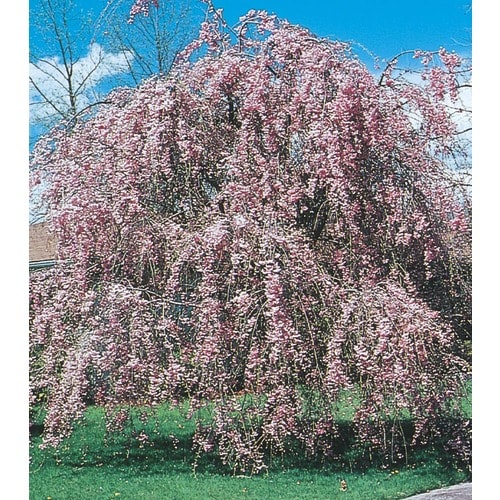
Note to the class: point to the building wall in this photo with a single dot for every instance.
(42, 245)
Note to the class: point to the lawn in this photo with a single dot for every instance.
(91, 465)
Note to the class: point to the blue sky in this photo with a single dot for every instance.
(384, 27)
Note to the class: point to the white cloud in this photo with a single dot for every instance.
(459, 110)
(49, 82)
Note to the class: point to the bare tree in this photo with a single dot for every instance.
(65, 81)
(151, 41)
(60, 78)
(67, 71)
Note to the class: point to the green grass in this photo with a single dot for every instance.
(91, 466)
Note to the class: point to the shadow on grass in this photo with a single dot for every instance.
(36, 430)
(170, 448)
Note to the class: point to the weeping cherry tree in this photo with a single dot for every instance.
(264, 231)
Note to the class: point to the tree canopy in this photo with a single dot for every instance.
(263, 230)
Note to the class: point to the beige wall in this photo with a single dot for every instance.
(42, 244)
